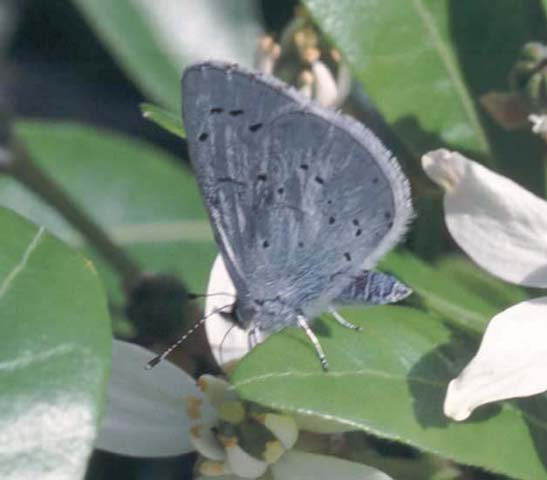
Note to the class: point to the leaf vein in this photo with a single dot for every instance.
(8, 281)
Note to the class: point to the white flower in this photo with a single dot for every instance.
(503, 228)
(539, 124)
(266, 54)
(163, 412)
(227, 340)
(317, 82)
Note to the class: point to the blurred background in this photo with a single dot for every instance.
(55, 67)
(96, 61)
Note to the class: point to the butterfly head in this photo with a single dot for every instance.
(266, 314)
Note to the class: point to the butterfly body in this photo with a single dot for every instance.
(301, 199)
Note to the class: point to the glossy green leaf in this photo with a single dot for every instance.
(487, 42)
(440, 292)
(154, 41)
(137, 192)
(172, 122)
(496, 292)
(128, 35)
(55, 354)
(390, 380)
(402, 53)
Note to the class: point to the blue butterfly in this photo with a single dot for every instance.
(303, 201)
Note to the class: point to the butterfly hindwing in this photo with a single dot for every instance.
(372, 288)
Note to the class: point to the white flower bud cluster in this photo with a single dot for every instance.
(245, 440)
(316, 80)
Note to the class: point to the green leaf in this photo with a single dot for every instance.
(55, 354)
(390, 380)
(487, 42)
(144, 198)
(126, 32)
(498, 293)
(402, 53)
(172, 122)
(442, 293)
(154, 41)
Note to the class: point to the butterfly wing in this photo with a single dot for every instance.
(223, 108)
(301, 199)
(373, 288)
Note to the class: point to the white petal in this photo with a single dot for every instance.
(326, 91)
(217, 390)
(297, 465)
(499, 224)
(206, 443)
(511, 361)
(146, 414)
(283, 427)
(267, 54)
(228, 341)
(243, 464)
(343, 79)
(305, 83)
(539, 123)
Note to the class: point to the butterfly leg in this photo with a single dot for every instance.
(302, 322)
(252, 338)
(342, 321)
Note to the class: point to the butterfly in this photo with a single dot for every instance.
(303, 201)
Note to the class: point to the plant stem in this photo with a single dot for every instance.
(18, 163)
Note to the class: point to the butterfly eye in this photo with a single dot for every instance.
(358, 232)
(236, 113)
(331, 220)
(255, 127)
(304, 166)
(319, 180)
(203, 137)
(347, 256)
(387, 215)
(216, 110)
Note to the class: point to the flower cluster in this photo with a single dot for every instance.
(300, 45)
(164, 412)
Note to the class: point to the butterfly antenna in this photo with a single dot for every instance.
(159, 358)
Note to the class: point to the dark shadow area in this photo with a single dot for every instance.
(431, 141)
(72, 77)
(538, 275)
(321, 327)
(428, 237)
(535, 416)
(488, 38)
(439, 366)
(104, 465)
